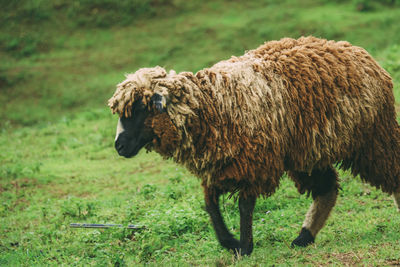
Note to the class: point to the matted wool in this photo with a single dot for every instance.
(289, 105)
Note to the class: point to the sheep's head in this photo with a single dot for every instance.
(141, 102)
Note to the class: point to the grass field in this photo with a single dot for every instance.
(60, 63)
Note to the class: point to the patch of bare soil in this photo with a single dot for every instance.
(392, 262)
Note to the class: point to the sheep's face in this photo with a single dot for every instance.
(132, 132)
(148, 125)
(141, 101)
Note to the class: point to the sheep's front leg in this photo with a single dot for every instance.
(225, 238)
(246, 208)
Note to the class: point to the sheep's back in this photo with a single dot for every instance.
(334, 93)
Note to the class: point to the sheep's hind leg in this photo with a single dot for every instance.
(324, 189)
(225, 238)
(396, 197)
(316, 217)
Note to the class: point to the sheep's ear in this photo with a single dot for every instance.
(159, 102)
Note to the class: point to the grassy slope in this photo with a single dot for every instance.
(65, 170)
(79, 66)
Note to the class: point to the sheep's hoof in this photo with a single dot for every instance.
(304, 239)
(231, 244)
(239, 252)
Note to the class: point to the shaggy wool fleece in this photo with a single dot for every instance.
(289, 105)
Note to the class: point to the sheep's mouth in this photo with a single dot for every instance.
(126, 150)
(130, 153)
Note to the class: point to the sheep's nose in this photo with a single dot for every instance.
(118, 145)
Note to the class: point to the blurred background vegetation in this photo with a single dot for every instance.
(63, 56)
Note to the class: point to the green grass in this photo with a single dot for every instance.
(54, 175)
(60, 63)
(52, 67)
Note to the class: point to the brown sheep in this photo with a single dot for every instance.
(296, 106)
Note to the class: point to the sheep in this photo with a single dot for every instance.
(300, 106)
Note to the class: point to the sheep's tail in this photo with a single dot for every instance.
(378, 160)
